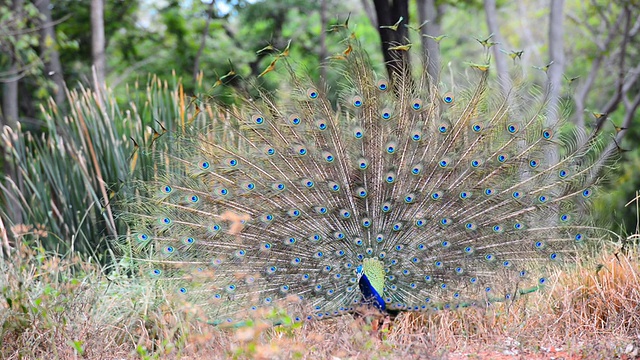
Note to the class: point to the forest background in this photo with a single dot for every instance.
(85, 84)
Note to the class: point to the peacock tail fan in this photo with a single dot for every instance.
(408, 193)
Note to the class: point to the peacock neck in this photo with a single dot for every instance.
(370, 294)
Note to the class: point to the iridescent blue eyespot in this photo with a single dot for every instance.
(445, 244)
(435, 196)
(443, 163)
(553, 256)
(489, 257)
(465, 195)
(542, 199)
(358, 134)
(565, 217)
(328, 158)
(205, 165)
(533, 163)
(476, 128)
(542, 281)
(445, 221)
(409, 199)
(312, 93)
(562, 174)
(442, 129)
(366, 222)
(386, 115)
(468, 250)
(502, 158)
(516, 195)
(518, 226)
(586, 193)
(363, 164)
(475, 163)
(143, 237)
(488, 192)
(579, 237)
(270, 151)
(547, 134)
(416, 170)
(470, 226)
(417, 104)
(438, 264)
(258, 120)
(386, 207)
(512, 128)
(169, 249)
(420, 222)
(448, 99)
(383, 85)
(497, 228)
(397, 227)
(523, 273)
(321, 125)
(167, 189)
(421, 247)
(539, 244)
(357, 101)
(416, 137)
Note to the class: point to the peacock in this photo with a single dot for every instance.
(400, 193)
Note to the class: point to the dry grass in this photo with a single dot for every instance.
(54, 307)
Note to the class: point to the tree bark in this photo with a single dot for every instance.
(10, 92)
(203, 41)
(98, 42)
(49, 52)
(388, 13)
(555, 71)
(491, 14)
(430, 15)
(323, 38)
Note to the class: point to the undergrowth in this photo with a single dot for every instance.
(64, 306)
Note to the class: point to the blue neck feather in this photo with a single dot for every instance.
(370, 294)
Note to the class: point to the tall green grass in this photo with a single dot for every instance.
(73, 173)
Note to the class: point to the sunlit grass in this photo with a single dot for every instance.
(66, 306)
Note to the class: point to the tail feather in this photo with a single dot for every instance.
(453, 192)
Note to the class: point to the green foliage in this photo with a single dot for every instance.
(72, 171)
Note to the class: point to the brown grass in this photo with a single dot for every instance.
(65, 308)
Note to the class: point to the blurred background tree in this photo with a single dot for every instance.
(68, 152)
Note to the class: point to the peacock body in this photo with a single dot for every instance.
(399, 193)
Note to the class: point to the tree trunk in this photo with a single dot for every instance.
(554, 82)
(203, 41)
(388, 13)
(491, 13)
(323, 39)
(430, 16)
(49, 51)
(98, 42)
